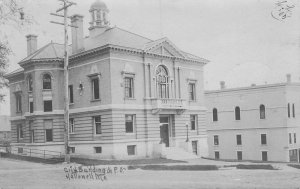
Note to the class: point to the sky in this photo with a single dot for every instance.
(243, 41)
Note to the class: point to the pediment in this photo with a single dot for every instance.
(164, 47)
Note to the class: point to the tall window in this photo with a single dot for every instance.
(162, 81)
(193, 120)
(263, 138)
(129, 87)
(97, 123)
(289, 111)
(192, 92)
(215, 114)
(95, 88)
(71, 98)
(30, 83)
(262, 111)
(129, 123)
(18, 102)
(216, 140)
(238, 139)
(239, 155)
(31, 131)
(48, 125)
(237, 111)
(295, 138)
(290, 138)
(46, 81)
(31, 106)
(71, 125)
(293, 108)
(20, 131)
(49, 135)
(48, 106)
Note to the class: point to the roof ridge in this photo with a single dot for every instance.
(134, 33)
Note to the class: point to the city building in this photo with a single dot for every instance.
(254, 123)
(129, 96)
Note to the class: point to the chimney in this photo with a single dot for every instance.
(222, 84)
(77, 33)
(288, 78)
(31, 44)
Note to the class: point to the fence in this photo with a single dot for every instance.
(44, 154)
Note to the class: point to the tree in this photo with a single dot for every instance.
(11, 15)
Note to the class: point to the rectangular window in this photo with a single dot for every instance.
(239, 155)
(295, 138)
(217, 155)
(195, 147)
(263, 138)
(49, 135)
(290, 138)
(129, 87)
(193, 120)
(216, 140)
(31, 106)
(131, 150)
(239, 139)
(264, 156)
(71, 125)
(97, 123)
(129, 123)
(18, 102)
(72, 149)
(20, 131)
(98, 150)
(95, 88)
(192, 94)
(48, 106)
(293, 108)
(71, 98)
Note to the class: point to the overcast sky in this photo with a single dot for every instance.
(242, 40)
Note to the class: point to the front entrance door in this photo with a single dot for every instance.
(164, 129)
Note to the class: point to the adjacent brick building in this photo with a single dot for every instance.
(254, 123)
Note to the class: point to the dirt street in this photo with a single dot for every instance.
(21, 174)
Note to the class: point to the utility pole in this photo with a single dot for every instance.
(66, 4)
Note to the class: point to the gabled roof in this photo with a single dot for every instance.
(49, 51)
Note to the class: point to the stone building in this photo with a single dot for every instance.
(130, 96)
(254, 123)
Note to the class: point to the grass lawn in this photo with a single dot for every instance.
(87, 162)
(255, 166)
(176, 167)
(297, 166)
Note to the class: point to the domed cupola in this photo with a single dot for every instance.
(99, 15)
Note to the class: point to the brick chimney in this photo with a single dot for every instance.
(77, 33)
(288, 78)
(222, 84)
(31, 44)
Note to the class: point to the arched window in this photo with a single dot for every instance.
(162, 82)
(237, 113)
(262, 111)
(215, 114)
(30, 83)
(46, 81)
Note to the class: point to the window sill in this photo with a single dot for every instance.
(97, 135)
(130, 133)
(72, 133)
(263, 145)
(191, 101)
(129, 98)
(70, 104)
(95, 100)
(46, 89)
